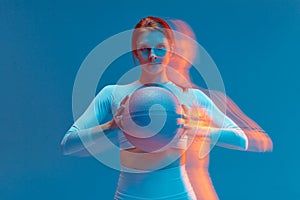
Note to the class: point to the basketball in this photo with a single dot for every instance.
(150, 118)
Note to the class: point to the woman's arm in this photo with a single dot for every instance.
(87, 130)
(76, 142)
(225, 132)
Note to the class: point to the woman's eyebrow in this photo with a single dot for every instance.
(141, 44)
(162, 44)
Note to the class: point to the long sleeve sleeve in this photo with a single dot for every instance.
(86, 127)
(227, 133)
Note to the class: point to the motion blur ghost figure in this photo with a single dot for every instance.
(198, 153)
(186, 50)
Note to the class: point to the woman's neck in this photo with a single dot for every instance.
(147, 78)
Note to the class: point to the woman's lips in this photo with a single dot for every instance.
(154, 63)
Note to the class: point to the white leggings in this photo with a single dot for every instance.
(171, 183)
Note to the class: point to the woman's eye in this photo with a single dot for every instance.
(145, 49)
(160, 51)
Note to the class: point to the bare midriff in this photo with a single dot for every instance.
(135, 158)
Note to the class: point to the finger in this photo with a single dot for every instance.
(194, 118)
(204, 123)
(180, 121)
(198, 112)
(119, 111)
(122, 106)
(183, 132)
(185, 116)
(124, 100)
(186, 127)
(185, 108)
(118, 120)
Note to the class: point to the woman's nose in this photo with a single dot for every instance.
(152, 55)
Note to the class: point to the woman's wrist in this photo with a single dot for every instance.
(107, 127)
(110, 125)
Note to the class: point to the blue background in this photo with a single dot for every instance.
(255, 44)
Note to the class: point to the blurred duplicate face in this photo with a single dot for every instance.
(153, 51)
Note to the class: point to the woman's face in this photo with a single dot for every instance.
(153, 51)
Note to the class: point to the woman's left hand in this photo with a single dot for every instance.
(195, 121)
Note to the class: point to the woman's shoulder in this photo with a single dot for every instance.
(198, 92)
(197, 95)
(120, 86)
(118, 89)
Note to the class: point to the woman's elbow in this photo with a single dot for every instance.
(63, 148)
(69, 148)
(259, 142)
(265, 145)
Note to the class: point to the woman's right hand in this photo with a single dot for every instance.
(116, 120)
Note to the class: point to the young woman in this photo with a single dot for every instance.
(161, 174)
